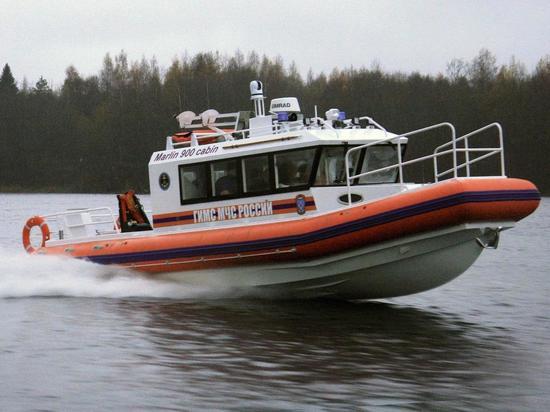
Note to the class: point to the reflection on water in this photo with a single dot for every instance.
(78, 353)
(478, 343)
(335, 355)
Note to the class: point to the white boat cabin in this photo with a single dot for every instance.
(253, 166)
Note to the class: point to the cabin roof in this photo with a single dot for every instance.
(268, 144)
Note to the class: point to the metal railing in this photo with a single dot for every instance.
(454, 150)
(74, 223)
(466, 150)
(273, 129)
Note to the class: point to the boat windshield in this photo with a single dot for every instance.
(331, 171)
(378, 157)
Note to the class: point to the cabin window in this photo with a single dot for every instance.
(257, 174)
(332, 166)
(193, 182)
(378, 157)
(293, 169)
(225, 177)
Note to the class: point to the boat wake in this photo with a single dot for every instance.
(22, 275)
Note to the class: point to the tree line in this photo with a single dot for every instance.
(96, 133)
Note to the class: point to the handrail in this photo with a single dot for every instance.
(467, 150)
(76, 211)
(438, 152)
(371, 120)
(108, 215)
(467, 164)
(274, 128)
(400, 163)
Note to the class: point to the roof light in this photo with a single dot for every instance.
(282, 116)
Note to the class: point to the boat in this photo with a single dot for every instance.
(276, 203)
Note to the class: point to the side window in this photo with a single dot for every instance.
(256, 174)
(378, 157)
(332, 166)
(193, 182)
(225, 178)
(293, 169)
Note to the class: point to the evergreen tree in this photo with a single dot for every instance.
(96, 133)
(7, 83)
(41, 87)
(9, 130)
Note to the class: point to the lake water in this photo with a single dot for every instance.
(72, 338)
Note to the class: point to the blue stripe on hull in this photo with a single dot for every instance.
(322, 234)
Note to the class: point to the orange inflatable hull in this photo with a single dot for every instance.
(432, 207)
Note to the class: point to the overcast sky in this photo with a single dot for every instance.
(45, 37)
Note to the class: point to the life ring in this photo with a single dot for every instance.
(35, 221)
(181, 137)
(185, 137)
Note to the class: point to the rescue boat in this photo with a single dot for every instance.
(287, 205)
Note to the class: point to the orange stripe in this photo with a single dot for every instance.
(188, 213)
(462, 213)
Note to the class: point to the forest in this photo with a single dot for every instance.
(95, 134)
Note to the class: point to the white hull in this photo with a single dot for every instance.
(402, 267)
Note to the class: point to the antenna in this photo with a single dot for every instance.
(257, 95)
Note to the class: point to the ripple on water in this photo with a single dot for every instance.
(121, 343)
